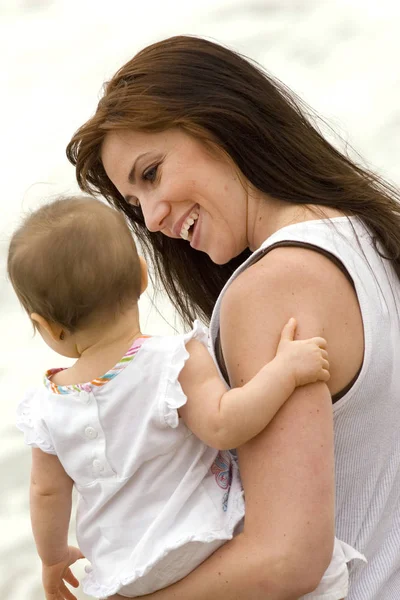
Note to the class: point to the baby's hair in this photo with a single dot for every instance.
(74, 259)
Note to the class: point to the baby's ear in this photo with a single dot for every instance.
(54, 330)
(143, 274)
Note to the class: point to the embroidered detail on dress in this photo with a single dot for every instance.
(100, 381)
(222, 469)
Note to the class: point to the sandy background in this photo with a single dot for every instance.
(341, 56)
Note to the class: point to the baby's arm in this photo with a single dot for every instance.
(227, 419)
(50, 505)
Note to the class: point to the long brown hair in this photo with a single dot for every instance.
(222, 98)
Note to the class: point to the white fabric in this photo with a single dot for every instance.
(154, 501)
(367, 417)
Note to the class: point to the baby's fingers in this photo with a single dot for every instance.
(320, 341)
(325, 364)
(70, 578)
(66, 593)
(324, 375)
(289, 330)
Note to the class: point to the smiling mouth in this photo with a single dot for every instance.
(188, 225)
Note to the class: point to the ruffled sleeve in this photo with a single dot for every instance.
(174, 396)
(32, 425)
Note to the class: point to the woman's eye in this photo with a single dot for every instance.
(150, 174)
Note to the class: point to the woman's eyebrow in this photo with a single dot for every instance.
(132, 176)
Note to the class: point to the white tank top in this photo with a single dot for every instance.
(367, 417)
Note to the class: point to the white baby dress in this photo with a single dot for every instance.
(154, 501)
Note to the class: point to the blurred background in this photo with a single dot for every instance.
(341, 56)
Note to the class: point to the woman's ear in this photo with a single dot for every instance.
(144, 278)
(54, 330)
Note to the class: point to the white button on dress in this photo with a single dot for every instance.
(91, 433)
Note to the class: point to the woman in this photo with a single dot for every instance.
(211, 160)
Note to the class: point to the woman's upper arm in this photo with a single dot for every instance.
(288, 469)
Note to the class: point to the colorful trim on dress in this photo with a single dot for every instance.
(222, 470)
(100, 381)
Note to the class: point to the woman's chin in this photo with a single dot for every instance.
(220, 257)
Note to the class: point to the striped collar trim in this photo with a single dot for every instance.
(100, 381)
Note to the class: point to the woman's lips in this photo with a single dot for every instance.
(177, 229)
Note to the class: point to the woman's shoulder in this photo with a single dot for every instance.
(289, 281)
(284, 269)
(301, 283)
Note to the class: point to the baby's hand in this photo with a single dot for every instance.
(306, 359)
(54, 576)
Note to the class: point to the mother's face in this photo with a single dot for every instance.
(183, 190)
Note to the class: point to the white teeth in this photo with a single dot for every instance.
(189, 221)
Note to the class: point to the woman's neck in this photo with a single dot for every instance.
(266, 215)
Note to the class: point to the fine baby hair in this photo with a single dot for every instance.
(74, 260)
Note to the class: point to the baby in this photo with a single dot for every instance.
(140, 425)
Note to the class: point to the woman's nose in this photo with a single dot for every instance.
(154, 213)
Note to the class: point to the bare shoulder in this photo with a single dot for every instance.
(294, 281)
(292, 269)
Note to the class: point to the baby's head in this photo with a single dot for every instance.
(73, 264)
